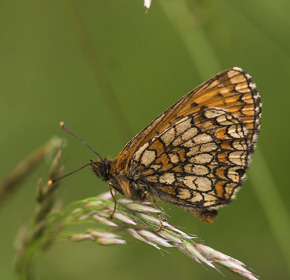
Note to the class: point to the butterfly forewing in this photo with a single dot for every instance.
(195, 154)
(232, 89)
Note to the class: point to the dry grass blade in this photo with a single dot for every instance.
(139, 220)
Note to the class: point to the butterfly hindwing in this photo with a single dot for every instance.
(197, 163)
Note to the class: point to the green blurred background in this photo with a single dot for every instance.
(80, 61)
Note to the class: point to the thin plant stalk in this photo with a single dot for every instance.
(14, 179)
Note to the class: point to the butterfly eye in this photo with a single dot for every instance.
(102, 169)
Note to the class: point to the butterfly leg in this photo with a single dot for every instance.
(114, 199)
(146, 194)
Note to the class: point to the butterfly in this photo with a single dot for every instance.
(194, 154)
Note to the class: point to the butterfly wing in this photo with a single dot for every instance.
(195, 154)
(231, 89)
(197, 163)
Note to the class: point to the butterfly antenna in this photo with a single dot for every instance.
(50, 182)
(65, 128)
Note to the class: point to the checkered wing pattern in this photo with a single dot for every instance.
(196, 153)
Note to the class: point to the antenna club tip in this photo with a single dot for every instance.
(61, 124)
(50, 182)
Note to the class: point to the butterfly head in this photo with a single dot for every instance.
(102, 168)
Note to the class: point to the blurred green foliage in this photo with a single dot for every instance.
(71, 60)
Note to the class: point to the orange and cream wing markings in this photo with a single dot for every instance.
(195, 154)
(232, 89)
(197, 163)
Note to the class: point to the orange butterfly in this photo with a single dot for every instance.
(195, 154)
